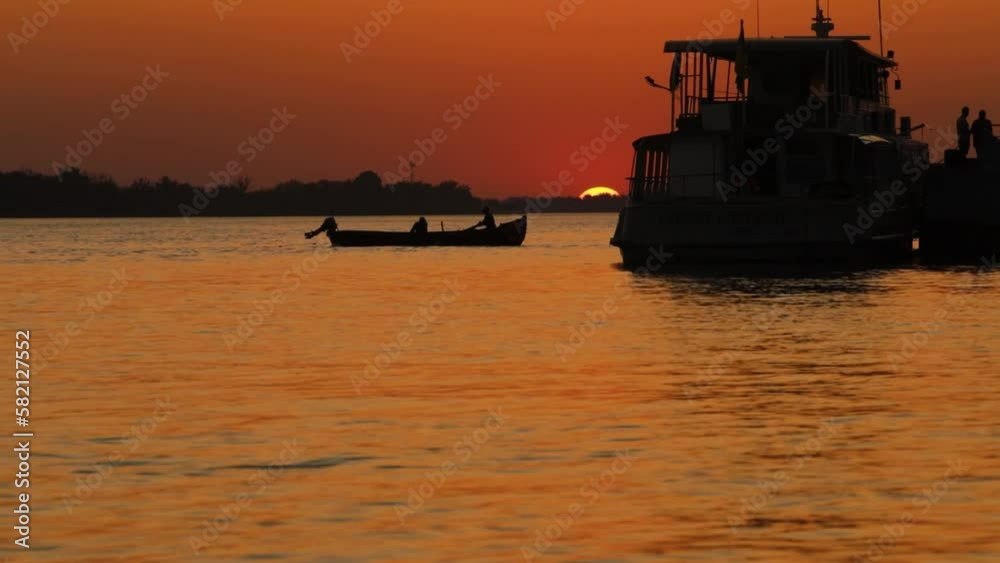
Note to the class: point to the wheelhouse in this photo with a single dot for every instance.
(777, 117)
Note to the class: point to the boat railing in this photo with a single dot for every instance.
(657, 188)
(732, 113)
(649, 188)
(854, 116)
(725, 99)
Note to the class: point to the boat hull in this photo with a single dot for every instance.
(506, 234)
(654, 257)
(650, 235)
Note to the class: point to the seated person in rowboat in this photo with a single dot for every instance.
(328, 226)
(420, 227)
(488, 221)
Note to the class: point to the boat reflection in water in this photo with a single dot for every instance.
(756, 295)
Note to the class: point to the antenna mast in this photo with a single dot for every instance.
(823, 25)
(881, 33)
(758, 19)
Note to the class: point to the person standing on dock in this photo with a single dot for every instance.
(964, 132)
(982, 135)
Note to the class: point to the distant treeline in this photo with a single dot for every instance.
(77, 194)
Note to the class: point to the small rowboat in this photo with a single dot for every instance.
(506, 234)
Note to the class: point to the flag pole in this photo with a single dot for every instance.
(881, 33)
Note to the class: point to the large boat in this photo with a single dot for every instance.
(505, 234)
(784, 149)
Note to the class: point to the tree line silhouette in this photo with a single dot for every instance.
(25, 193)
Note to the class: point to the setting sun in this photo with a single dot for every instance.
(598, 191)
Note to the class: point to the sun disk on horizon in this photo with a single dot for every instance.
(600, 190)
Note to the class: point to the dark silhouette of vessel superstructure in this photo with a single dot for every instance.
(788, 150)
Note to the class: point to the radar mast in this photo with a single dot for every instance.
(822, 25)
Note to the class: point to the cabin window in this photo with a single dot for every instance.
(650, 178)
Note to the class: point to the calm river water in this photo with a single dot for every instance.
(224, 390)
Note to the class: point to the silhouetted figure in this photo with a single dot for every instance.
(328, 226)
(982, 135)
(964, 133)
(420, 227)
(488, 221)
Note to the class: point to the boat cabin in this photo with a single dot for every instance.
(772, 117)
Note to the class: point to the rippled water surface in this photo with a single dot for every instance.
(228, 389)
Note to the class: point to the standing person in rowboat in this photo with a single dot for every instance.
(488, 221)
(420, 227)
(964, 133)
(328, 226)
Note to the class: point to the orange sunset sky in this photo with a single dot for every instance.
(557, 87)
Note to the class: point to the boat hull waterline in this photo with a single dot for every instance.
(506, 234)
